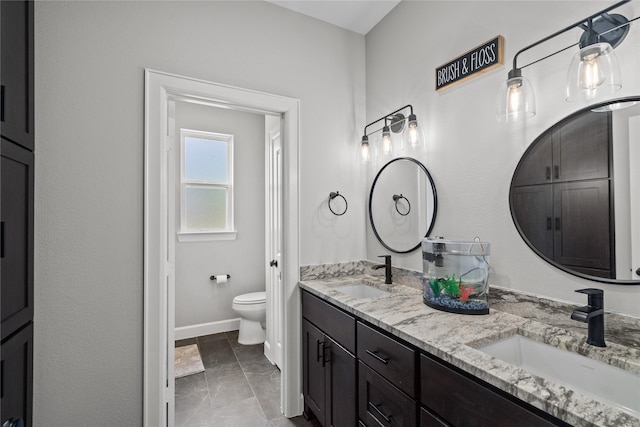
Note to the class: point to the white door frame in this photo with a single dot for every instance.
(160, 87)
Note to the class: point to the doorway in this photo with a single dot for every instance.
(161, 90)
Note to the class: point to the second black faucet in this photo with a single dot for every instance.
(387, 268)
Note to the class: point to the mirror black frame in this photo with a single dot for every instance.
(435, 204)
(512, 185)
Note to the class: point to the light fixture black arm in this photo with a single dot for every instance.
(515, 70)
(391, 116)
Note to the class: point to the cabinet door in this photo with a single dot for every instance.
(582, 225)
(582, 150)
(16, 91)
(16, 382)
(16, 237)
(340, 366)
(313, 376)
(536, 165)
(533, 207)
(382, 404)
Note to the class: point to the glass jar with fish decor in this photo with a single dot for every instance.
(455, 275)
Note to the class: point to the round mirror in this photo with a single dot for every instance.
(402, 205)
(575, 194)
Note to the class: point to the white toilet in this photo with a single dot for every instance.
(252, 309)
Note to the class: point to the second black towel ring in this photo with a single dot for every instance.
(400, 197)
(332, 196)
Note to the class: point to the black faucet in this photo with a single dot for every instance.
(593, 314)
(387, 268)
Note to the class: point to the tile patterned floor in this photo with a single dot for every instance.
(238, 388)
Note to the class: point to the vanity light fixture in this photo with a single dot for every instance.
(394, 122)
(593, 72)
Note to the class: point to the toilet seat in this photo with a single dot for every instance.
(251, 298)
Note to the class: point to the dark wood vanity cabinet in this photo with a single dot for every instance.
(16, 211)
(329, 364)
(562, 195)
(397, 384)
(16, 75)
(16, 388)
(16, 237)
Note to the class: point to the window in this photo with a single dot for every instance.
(206, 188)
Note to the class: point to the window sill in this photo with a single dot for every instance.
(206, 236)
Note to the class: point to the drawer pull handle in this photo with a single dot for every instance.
(378, 357)
(325, 359)
(386, 417)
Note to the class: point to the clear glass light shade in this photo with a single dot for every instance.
(594, 72)
(386, 143)
(516, 100)
(366, 153)
(413, 138)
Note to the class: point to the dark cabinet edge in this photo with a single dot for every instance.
(514, 399)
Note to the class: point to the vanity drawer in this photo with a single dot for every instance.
(332, 321)
(391, 359)
(382, 404)
(446, 392)
(427, 419)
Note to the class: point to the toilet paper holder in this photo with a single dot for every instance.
(215, 278)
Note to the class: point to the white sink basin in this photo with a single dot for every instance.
(603, 382)
(360, 290)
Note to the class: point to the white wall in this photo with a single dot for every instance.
(470, 155)
(198, 299)
(90, 60)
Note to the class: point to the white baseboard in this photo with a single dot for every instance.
(193, 331)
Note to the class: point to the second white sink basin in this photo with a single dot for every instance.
(601, 381)
(360, 290)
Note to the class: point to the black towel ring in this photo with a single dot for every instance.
(332, 196)
(400, 197)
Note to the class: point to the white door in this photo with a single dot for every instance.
(273, 343)
(170, 275)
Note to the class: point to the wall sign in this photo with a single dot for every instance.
(478, 60)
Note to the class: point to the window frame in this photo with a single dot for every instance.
(229, 232)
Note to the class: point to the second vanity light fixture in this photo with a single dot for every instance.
(394, 122)
(594, 70)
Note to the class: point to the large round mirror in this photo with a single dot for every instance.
(575, 195)
(402, 205)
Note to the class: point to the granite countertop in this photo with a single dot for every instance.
(452, 337)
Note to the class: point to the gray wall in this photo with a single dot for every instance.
(90, 60)
(198, 299)
(471, 156)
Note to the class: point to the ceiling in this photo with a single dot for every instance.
(359, 16)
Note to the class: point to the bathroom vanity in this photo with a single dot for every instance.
(391, 360)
